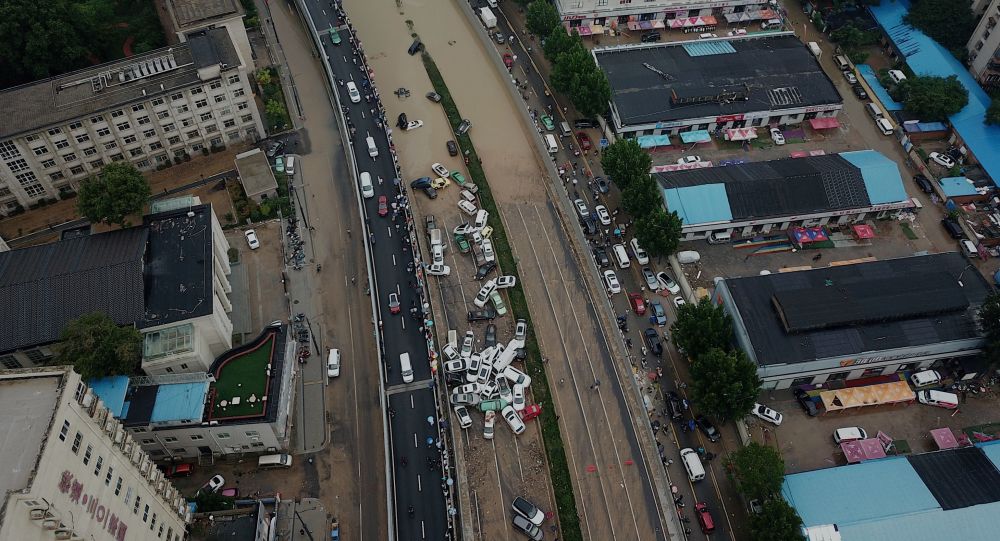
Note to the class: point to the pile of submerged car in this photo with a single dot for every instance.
(488, 381)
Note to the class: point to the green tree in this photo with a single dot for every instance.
(933, 98)
(659, 233)
(275, 111)
(97, 347)
(993, 113)
(624, 161)
(40, 39)
(701, 327)
(543, 18)
(725, 384)
(989, 323)
(642, 197)
(757, 470)
(949, 22)
(117, 192)
(591, 93)
(569, 66)
(212, 501)
(851, 37)
(558, 42)
(777, 522)
(263, 76)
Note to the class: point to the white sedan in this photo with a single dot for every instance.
(251, 236)
(679, 301)
(504, 282)
(668, 283)
(464, 419)
(766, 414)
(603, 214)
(214, 484)
(611, 282)
(943, 160)
(777, 136)
(518, 402)
(513, 420)
(688, 159)
(440, 170)
(414, 124)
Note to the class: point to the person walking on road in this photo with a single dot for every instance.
(596, 384)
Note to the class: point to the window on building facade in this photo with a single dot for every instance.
(18, 165)
(96, 119)
(76, 125)
(155, 145)
(117, 157)
(149, 134)
(229, 123)
(216, 141)
(138, 107)
(187, 123)
(128, 493)
(55, 131)
(205, 116)
(135, 152)
(197, 437)
(234, 79)
(29, 183)
(129, 139)
(138, 503)
(170, 439)
(117, 114)
(97, 164)
(233, 135)
(56, 176)
(223, 435)
(143, 164)
(118, 486)
(48, 163)
(8, 150)
(71, 157)
(142, 120)
(169, 127)
(110, 145)
(193, 134)
(242, 106)
(87, 454)
(157, 101)
(64, 431)
(122, 126)
(182, 109)
(98, 465)
(162, 114)
(148, 441)
(103, 132)
(83, 138)
(77, 441)
(197, 90)
(40, 151)
(109, 475)
(220, 98)
(177, 96)
(77, 170)
(61, 144)
(211, 128)
(215, 85)
(145, 513)
(32, 138)
(174, 140)
(238, 92)
(201, 103)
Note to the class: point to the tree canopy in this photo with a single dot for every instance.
(642, 197)
(757, 470)
(558, 42)
(949, 22)
(933, 98)
(117, 192)
(777, 522)
(543, 18)
(97, 347)
(701, 327)
(725, 384)
(993, 112)
(42, 39)
(853, 41)
(624, 161)
(659, 233)
(575, 73)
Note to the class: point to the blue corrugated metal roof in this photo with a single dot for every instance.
(881, 176)
(976, 523)
(863, 492)
(926, 57)
(992, 451)
(179, 402)
(111, 391)
(708, 48)
(884, 98)
(955, 186)
(700, 204)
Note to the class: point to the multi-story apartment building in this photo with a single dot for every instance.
(168, 277)
(148, 109)
(984, 48)
(600, 16)
(72, 470)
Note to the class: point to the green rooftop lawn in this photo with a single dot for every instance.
(244, 376)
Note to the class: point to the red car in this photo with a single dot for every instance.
(531, 412)
(393, 303)
(638, 305)
(585, 143)
(508, 60)
(383, 205)
(704, 517)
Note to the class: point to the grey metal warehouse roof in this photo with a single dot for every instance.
(775, 72)
(42, 288)
(866, 307)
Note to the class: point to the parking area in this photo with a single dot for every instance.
(806, 443)
(242, 475)
(258, 293)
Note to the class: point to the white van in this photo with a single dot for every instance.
(467, 207)
(884, 126)
(873, 110)
(940, 399)
(770, 23)
(290, 165)
(564, 129)
(842, 63)
(969, 248)
(482, 216)
(925, 378)
(268, 462)
(640, 255)
(550, 142)
(405, 368)
(692, 464)
(720, 237)
(621, 256)
(333, 363)
(372, 149)
(897, 76)
(367, 190)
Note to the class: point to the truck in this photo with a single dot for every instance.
(816, 51)
(489, 19)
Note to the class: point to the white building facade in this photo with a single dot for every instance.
(152, 109)
(984, 48)
(604, 16)
(88, 480)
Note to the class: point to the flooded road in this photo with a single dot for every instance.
(615, 497)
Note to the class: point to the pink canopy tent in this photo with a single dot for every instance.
(740, 134)
(944, 438)
(687, 22)
(861, 450)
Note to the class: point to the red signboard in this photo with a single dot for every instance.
(728, 118)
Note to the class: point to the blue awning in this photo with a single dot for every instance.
(653, 141)
(697, 136)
